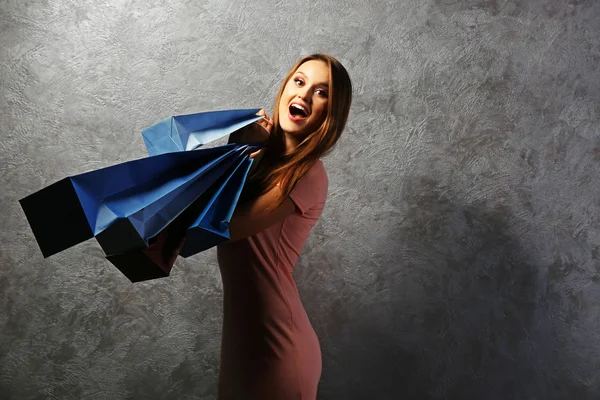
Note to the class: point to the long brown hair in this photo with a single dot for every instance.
(277, 167)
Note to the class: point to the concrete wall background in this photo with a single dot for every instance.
(458, 253)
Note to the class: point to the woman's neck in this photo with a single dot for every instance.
(290, 143)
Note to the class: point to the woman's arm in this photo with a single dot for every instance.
(254, 216)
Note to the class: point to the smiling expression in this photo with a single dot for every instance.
(303, 104)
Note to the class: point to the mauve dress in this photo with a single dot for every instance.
(269, 349)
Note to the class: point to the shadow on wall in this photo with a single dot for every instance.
(456, 312)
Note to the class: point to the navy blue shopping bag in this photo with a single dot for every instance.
(174, 194)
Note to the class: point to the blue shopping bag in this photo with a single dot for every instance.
(125, 205)
(190, 131)
(200, 226)
(80, 207)
(143, 215)
(211, 227)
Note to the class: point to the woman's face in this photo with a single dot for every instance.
(303, 104)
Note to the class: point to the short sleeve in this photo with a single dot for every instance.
(311, 189)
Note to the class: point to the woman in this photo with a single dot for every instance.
(269, 349)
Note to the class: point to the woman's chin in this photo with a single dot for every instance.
(297, 127)
(291, 127)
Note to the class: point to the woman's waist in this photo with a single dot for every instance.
(270, 330)
(258, 312)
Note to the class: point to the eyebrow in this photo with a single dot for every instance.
(319, 84)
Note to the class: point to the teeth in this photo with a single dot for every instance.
(298, 106)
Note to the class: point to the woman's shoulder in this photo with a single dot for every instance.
(318, 172)
(311, 189)
(316, 178)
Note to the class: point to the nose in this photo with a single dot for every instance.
(303, 94)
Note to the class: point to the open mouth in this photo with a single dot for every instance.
(298, 112)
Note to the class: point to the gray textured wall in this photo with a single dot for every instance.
(458, 253)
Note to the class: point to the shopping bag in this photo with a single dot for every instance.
(80, 207)
(211, 227)
(133, 230)
(200, 226)
(143, 212)
(157, 260)
(190, 131)
(72, 210)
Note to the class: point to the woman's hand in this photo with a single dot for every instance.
(265, 123)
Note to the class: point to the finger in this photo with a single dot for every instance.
(267, 127)
(262, 112)
(262, 123)
(252, 155)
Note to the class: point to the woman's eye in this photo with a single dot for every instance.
(298, 80)
(322, 93)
